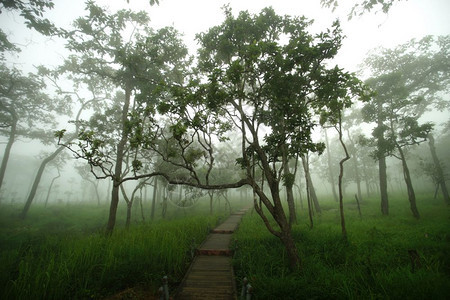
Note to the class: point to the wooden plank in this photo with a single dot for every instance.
(217, 241)
(211, 276)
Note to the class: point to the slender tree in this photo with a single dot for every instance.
(407, 81)
(25, 110)
(120, 49)
(439, 173)
(269, 90)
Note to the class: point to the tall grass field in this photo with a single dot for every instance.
(62, 253)
(384, 257)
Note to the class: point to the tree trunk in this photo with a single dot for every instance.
(141, 204)
(155, 186)
(309, 183)
(341, 175)
(95, 185)
(436, 190)
(118, 166)
(6, 154)
(382, 162)
(289, 182)
(366, 179)
(330, 169)
(383, 186)
(108, 192)
(277, 212)
(310, 210)
(409, 186)
(355, 165)
(37, 179)
(129, 207)
(164, 203)
(440, 173)
(50, 187)
(211, 194)
(97, 194)
(291, 249)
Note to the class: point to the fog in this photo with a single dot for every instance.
(405, 20)
(205, 149)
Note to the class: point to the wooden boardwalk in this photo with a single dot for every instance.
(211, 275)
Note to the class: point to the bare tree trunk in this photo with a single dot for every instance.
(141, 202)
(383, 185)
(7, 152)
(37, 179)
(341, 175)
(210, 194)
(164, 203)
(129, 203)
(382, 164)
(118, 166)
(273, 205)
(409, 186)
(366, 179)
(330, 169)
(310, 210)
(440, 173)
(355, 165)
(155, 186)
(289, 179)
(108, 192)
(129, 207)
(310, 185)
(436, 190)
(95, 185)
(308, 189)
(50, 187)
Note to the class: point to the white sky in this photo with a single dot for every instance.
(406, 20)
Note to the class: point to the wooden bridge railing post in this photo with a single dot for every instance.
(249, 291)
(164, 290)
(193, 248)
(244, 288)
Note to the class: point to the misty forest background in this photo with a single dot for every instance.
(145, 147)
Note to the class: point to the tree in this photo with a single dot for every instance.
(437, 171)
(32, 11)
(85, 173)
(331, 177)
(135, 65)
(407, 81)
(346, 87)
(269, 88)
(53, 76)
(350, 120)
(25, 110)
(362, 6)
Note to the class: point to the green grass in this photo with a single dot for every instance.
(372, 264)
(62, 253)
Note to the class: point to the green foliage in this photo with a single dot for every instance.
(133, 71)
(25, 108)
(407, 81)
(373, 264)
(363, 6)
(283, 81)
(32, 11)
